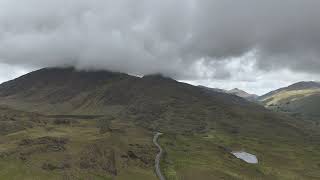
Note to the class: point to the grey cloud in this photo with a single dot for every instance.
(168, 36)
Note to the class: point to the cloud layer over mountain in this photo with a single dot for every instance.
(185, 39)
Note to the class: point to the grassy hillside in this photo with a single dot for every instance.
(207, 157)
(153, 101)
(301, 100)
(74, 147)
(100, 125)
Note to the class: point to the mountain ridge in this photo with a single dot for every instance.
(100, 125)
(150, 98)
(296, 86)
(300, 99)
(234, 91)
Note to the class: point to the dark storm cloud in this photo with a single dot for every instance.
(168, 36)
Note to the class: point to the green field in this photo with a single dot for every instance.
(101, 147)
(73, 148)
(208, 157)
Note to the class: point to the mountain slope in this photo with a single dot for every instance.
(243, 94)
(151, 98)
(300, 99)
(152, 101)
(101, 124)
(296, 86)
(213, 89)
(35, 146)
(235, 91)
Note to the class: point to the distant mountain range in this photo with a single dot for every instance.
(235, 91)
(301, 99)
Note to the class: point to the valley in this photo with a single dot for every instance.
(86, 127)
(159, 90)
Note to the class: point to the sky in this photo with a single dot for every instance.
(254, 45)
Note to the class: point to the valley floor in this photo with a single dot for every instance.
(84, 147)
(208, 157)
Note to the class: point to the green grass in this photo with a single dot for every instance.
(302, 104)
(285, 154)
(81, 135)
(284, 151)
(291, 95)
(198, 129)
(13, 169)
(204, 157)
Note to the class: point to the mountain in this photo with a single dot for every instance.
(151, 98)
(213, 89)
(61, 123)
(301, 99)
(243, 94)
(294, 87)
(235, 91)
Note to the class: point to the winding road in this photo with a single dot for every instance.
(158, 157)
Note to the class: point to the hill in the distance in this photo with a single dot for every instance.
(60, 123)
(235, 91)
(243, 94)
(301, 99)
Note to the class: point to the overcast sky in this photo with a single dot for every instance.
(254, 45)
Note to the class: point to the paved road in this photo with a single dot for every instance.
(158, 157)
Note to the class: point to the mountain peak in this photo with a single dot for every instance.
(234, 91)
(157, 77)
(237, 90)
(241, 93)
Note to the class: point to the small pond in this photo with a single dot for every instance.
(247, 157)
